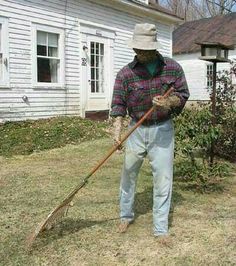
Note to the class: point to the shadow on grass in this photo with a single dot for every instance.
(144, 202)
(201, 187)
(177, 199)
(66, 227)
(143, 205)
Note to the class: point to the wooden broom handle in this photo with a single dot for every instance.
(114, 148)
(170, 90)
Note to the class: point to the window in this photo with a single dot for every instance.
(3, 51)
(97, 67)
(209, 75)
(48, 62)
(49, 56)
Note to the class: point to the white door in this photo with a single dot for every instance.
(97, 71)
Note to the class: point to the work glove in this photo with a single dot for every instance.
(117, 125)
(166, 103)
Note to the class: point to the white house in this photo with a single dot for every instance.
(60, 57)
(185, 50)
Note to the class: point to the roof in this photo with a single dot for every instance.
(220, 29)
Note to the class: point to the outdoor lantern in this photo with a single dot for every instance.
(214, 52)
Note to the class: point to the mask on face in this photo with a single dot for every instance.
(145, 56)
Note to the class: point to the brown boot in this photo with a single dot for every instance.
(123, 226)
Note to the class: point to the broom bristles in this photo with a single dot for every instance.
(48, 223)
(53, 216)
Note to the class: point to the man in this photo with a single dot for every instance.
(139, 85)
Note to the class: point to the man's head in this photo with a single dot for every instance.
(144, 42)
(145, 56)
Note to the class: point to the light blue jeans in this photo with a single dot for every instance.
(157, 142)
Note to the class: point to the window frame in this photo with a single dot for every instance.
(61, 56)
(208, 79)
(5, 51)
(106, 63)
(98, 68)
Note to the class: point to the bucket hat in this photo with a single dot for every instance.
(144, 37)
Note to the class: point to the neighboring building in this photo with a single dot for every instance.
(185, 50)
(60, 57)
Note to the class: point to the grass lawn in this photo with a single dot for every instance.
(202, 226)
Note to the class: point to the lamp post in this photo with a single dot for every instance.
(214, 52)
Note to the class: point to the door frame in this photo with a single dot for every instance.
(90, 31)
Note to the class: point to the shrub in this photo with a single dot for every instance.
(24, 137)
(200, 176)
(195, 134)
(226, 113)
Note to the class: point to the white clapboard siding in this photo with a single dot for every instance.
(225, 66)
(63, 14)
(196, 73)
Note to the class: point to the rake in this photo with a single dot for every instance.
(62, 209)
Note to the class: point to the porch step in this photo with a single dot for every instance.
(97, 115)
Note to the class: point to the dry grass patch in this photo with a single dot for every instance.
(202, 226)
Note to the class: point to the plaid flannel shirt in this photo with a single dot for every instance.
(135, 88)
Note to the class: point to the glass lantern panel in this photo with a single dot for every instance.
(224, 53)
(210, 51)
